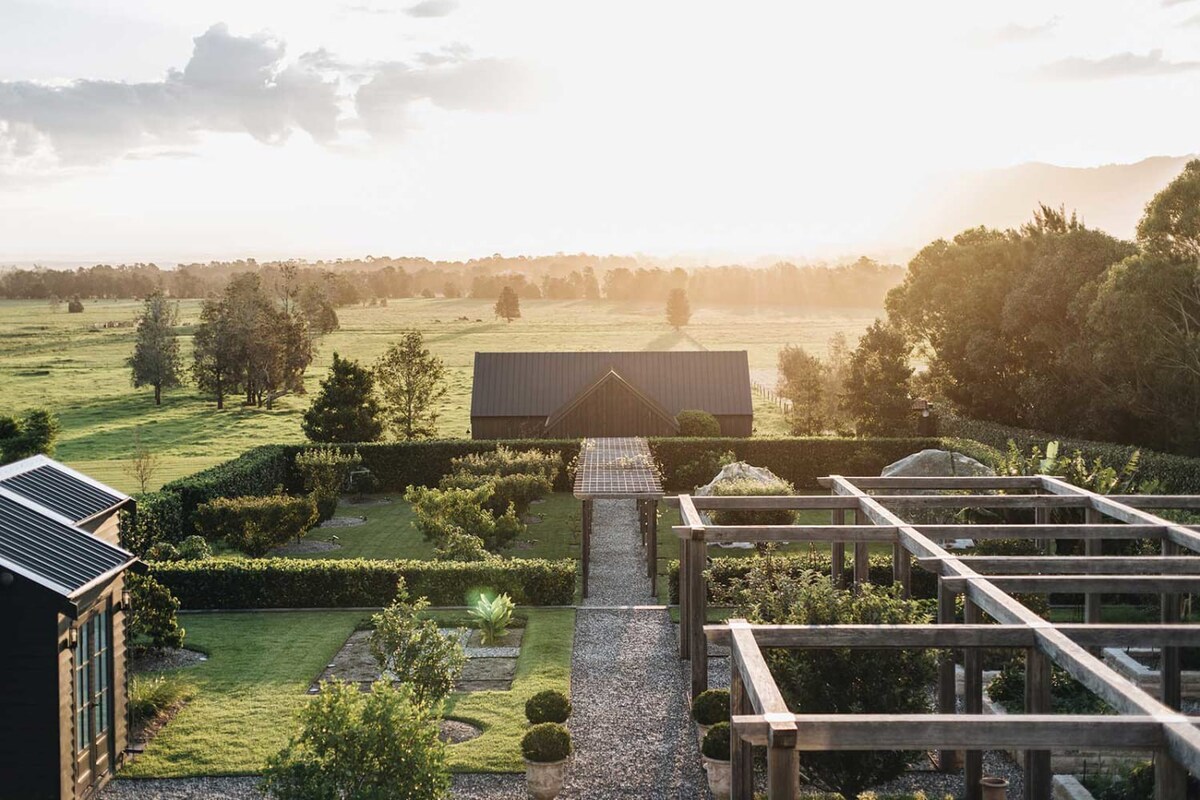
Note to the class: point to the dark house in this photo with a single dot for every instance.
(571, 395)
(62, 632)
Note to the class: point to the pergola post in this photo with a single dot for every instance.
(1169, 666)
(973, 701)
(652, 545)
(685, 590)
(741, 754)
(837, 552)
(1038, 776)
(698, 608)
(586, 546)
(947, 695)
(1170, 779)
(902, 568)
(1092, 547)
(862, 553)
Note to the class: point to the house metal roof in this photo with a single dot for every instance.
(538, 384)
(49, 550)
(59, 488)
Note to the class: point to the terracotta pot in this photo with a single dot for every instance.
(544, 779)
(994, 788)
(719, 776)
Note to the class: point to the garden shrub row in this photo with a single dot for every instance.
(723, 571)
(340, 583)
(1175, 474)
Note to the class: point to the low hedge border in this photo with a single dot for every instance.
(355, 583)
(1176, 474)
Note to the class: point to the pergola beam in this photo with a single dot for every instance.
(1097, 584)
(1074, 565)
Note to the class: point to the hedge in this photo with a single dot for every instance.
(1175, 474)
(258, 471)
(337, 583)
(724, 570)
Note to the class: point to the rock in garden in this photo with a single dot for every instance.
(933, 463)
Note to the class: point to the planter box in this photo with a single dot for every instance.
(1131, 664)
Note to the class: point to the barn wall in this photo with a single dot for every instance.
(741, 426)
(508, 427)
(611, 410)
(29, 749)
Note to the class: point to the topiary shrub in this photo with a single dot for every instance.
(254, 525)
(698, 423)
(516, 491)
(439, 512)
(325, 472)
(151, 622)
(194, 548)
(506, 461)
(548, 705)
(746, 487)
(711, 707)
(459, 546)
(546, 743)
(351, 743)
(716, 742)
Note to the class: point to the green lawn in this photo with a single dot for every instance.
(57, 360)
(261, 664)
(389, 532)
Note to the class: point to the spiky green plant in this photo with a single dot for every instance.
(494, 616)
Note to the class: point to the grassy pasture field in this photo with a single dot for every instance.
(73, 366)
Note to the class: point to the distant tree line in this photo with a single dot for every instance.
(861, 284)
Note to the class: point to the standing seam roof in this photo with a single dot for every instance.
(61, 491)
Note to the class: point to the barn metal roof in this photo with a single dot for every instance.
(538, 384)
(49, 550)
(59, 488)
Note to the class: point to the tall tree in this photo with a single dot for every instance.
(802, 378)
(317, 310)
(508, 305)
(1171, 225)
(156, 361)
(411, 381)
(877, 391)
(35, 432)
(679, 310)
(216, 355)
(345, 409)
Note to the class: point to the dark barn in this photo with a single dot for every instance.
(572, 395)
(62, 623)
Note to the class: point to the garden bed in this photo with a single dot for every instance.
(1140, 667)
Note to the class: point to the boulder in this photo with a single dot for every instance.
(737, 471)
(933, 463)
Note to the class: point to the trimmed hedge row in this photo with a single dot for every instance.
(723, 571)
(1175, 474)
(336, 583)
(258, 471)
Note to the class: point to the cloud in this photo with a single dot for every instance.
(432, 8)
(242, 84)
(480, 85)
(1116, 66)
(1191, 22)
(1022, 33)
(1169, 3)
(231, 83)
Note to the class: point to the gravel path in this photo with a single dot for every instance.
(465, 787)
(630, 725)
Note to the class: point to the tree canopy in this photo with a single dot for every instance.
(156, 361)
(411, 381)
(345, 409)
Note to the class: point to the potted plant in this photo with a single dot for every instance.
(546, 747)
(709, 708)
(548, 705)
(715, 751)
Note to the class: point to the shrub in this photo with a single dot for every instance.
(440, 511)
(548, 705)
(494, 616)
(459, 546)
(716, 742)
(711, 707)
(840, 680)
(325, 472)
(152, 696)
(698, 423)
(162, 551)
(357, 583)
(256, 524)
(75, 305)
(259, 471)
(152, 623)
(744, 486)
(157, 517)
(414, 651)
(1067, 695)
(506, 461)
(361, 744)
(194, 548)
(546, 743)
(516, 491)
(1135, 783)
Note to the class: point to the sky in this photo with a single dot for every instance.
(182, 131)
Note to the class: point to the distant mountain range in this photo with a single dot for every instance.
(1111, 197)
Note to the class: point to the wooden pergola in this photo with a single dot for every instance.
(619, 468)
(761, 718)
